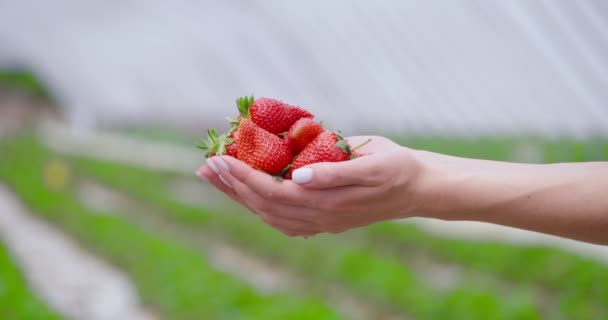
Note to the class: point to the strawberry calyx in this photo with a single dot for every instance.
(215, 144)
(244, 105)
(285, 170)
(281, 176)
(342, 144)
(234, 126)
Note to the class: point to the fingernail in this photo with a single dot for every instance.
(221, 163)
(201, 175)
(302, 175)
(225, 182)
(212, 166)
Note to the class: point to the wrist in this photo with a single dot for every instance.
(437, 186)
(417, 181)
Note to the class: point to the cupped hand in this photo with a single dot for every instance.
(329, 196)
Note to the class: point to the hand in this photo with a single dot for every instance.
(325, 197)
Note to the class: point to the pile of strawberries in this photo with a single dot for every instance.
(277, 138)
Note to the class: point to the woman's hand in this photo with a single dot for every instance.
(326, 197)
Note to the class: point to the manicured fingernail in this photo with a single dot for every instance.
(225, 182)
(201, 175)
(302, 175)
(212, 166)
(221, 163)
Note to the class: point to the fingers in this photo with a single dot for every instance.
(363, 171)
(335, 191)
(262, 205)
(289, 227)
(265, 185)
(207, 174)
(369, 170)
(290, 220)
(293, 199)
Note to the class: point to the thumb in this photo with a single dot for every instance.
(365, 170)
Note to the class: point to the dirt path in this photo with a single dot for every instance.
(77, 284)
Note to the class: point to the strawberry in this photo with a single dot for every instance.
(301, 133)
(261, 149)
(326, 147)
(271, 115)
(232, 148)
(215, 144)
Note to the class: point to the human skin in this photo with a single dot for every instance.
(393, 182)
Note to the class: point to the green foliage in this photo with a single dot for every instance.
(176, 280)
(504, 149)
(375, 264)
(560, 273)
(16, 299)
(215, 144)
(244, 105)
(23, 80)
(373, 276)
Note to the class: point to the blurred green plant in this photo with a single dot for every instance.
(373, 276)
(23, 80)
(567, 276)
(535, 149)
(16, 299)
(374, 262)
(176, 280)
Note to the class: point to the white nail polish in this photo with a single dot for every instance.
(225, 182)
(212, 166)
(221, 163)
(302, 175)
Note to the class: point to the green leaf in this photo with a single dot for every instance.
(215, 144)
(244, 104)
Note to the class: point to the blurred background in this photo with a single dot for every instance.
(101, 103)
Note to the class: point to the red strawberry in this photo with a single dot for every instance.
(215, 144)
(302, 133)
(326, 147)
(232, 148)
(272, 115)
(261, 149)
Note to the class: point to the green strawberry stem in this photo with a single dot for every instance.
(234, 125)
(361, 145)
(342, 144)
(285, 170)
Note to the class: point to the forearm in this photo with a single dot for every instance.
(569, 200)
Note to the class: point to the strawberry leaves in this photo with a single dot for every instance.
(244, 105)
(343, 145)
(215, 144)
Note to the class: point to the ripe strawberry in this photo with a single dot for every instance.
(271, 115)
(232, 148)
(215, 144)
(326, 147)
(261, 149)
(302, 133)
